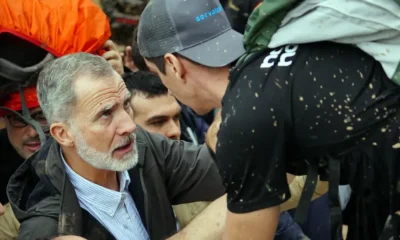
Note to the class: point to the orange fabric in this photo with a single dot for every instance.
(59, 26)
(13, 102)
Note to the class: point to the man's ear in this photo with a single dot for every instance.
(62, 134)
(174, 66)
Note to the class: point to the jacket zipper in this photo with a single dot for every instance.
(146, 201)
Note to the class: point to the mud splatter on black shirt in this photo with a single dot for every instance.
(309, 100)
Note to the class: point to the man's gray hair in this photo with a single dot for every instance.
(55, 89)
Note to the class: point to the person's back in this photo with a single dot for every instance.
(312, 101)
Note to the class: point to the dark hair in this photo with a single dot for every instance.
(136, 57)
(160, 61)
(145, 83)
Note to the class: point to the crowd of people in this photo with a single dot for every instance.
(237, 119)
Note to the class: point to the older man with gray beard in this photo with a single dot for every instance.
(101, 176)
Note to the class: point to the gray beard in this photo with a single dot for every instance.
(105, 161)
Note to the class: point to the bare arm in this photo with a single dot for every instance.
(257, 225)
(209, 224)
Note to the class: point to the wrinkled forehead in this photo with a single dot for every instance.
(93, 91)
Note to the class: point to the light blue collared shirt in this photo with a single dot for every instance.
(116, 211)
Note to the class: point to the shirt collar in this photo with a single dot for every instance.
(102, 198)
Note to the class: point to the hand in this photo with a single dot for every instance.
(2, 210)
(113, 57)
(128, 61)
(211, 136)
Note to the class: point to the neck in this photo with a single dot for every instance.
(104, 178)
(217, 88)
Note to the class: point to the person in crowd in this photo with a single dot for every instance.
(18, 140)
(298, 102)
(9, 43)
(154, 109)
(160, 112)
(238, 12)
(193, 126)
(102, 172)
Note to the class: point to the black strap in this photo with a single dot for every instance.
(308, 191)
(27, 117)
(391, 230)
(334, 201)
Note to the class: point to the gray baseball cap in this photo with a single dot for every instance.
(196, 29)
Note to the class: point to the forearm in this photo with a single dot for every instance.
(257, 225)
(209, 224)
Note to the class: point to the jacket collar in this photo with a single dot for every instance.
(70, 218)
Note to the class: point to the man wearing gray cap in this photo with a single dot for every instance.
(304, 109)
(190, 45)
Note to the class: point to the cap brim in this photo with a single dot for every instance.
(217, 52)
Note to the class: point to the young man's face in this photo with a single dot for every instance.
(22, 136)
(158, 114)
(184, 87)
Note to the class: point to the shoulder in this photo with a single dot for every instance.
(32, 228)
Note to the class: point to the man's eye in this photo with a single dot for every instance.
(106, 113)
(40, 117)
(16, 118)
(157, 123)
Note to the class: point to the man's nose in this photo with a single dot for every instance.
(174, 130)
(30, 131)
(126, 125)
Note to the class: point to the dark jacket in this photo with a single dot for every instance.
(10, 160)
(168, 172)
(189, 119)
